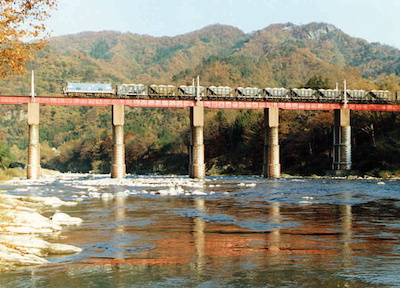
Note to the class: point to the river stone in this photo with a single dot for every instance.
(51, 201)
(17, 259)
(26, 230)
(22, 248)
(64, 219)
(32, 221)
(107, 196)
(60, 249)
(36, 246)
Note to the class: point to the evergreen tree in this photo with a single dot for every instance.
(317, 82)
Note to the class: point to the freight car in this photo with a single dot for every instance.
(303, 95)
(250, 94)
(190, 92)
(131, 91)
(277, 94)
(140, 91)
(329, 95)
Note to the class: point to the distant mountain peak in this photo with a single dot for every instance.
(218, 29)
(314, 31)
(317, 30)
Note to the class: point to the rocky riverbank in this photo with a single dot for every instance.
(23, 229)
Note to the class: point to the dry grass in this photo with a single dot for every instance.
(10, 173)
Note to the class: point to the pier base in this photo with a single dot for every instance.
(118, 167)
(197, 167)
(33, 165)
(272, 166)
(342, 140)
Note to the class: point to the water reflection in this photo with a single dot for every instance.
(199, 235)
(119, 237)
(234, 232)
(274, 238)
(346, 227)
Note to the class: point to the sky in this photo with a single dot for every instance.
(372, 20)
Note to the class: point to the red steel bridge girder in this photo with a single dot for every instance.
(162, 103)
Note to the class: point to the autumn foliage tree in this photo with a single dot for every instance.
(22, 32)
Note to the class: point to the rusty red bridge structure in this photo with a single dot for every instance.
(341, 160)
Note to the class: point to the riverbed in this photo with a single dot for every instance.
(163, 231)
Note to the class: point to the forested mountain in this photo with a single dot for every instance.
(281, 55)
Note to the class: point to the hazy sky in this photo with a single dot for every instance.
(373, 20)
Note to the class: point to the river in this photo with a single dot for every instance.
(154, 231)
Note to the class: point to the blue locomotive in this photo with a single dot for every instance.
(89, 89)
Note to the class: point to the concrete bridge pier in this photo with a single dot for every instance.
(118, 167)
(342, 140)
(197, 168)
(272, 166)
(33, 165)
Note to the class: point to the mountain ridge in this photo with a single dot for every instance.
(277, 55)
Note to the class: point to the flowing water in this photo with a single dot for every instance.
(222, 232)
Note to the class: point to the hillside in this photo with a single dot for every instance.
(280, 55)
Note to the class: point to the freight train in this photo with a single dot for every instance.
(140, 91)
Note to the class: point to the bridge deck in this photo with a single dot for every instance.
(214, 104)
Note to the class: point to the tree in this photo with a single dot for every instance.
(317, 82)
(5, 155)
(22, 32)
(389, 82)
(101, 50)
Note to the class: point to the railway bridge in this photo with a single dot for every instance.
(271, 168)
